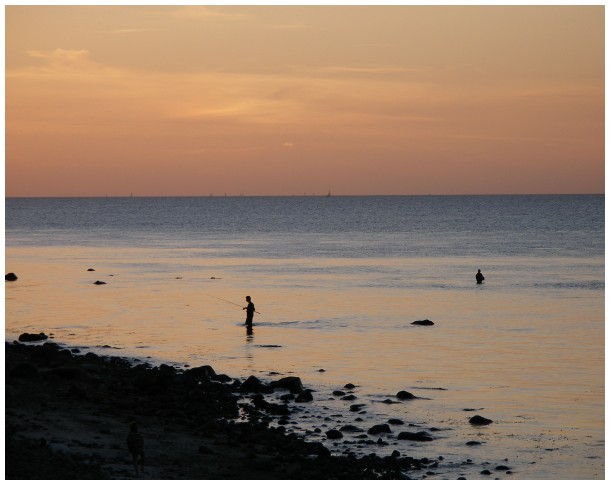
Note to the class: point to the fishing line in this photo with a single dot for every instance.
(231, 302)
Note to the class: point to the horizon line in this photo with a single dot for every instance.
(212, 196)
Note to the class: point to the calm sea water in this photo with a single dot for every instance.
(337, 282)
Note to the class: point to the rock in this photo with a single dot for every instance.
(305, 396)
(293, 384)
(202, 373)
(395, 421)
(271, 408)
(405, 395)
(251, 384)
(98, 282)
(379, 428)
(420, 436)
(90, 269)
(334, 434)
(339, 393)
(221, 378)
(349, 397)
(473, 443)
(354, 408)
(32, 337)
(349, 386)
(10, 277)
(502, 468)
(425, 323)
(479, 420)
(485, 472)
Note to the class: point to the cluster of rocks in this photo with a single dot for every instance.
(197, 399)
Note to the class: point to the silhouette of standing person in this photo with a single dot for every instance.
(479, 276)
(249, 314)
(135, 444)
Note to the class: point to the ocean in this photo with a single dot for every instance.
(337, 282)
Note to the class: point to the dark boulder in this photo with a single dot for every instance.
(204, 373)
(98, 282)
(222, 378)
(405, 395)
(473, 443)
(395, 421)
(349, 386)
(293, 384)
(380, 428)
(349, 397)
(10, 277)
(338, 393)
(305, 396)
(32, 337)
(251, 384)
(424, 323)
(420, 436)
(479, 420)
(333, 434)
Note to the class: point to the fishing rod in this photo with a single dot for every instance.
(232, 303)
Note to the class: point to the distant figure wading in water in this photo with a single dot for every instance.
(249, 314)
(479, 277)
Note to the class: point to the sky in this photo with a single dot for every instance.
(293, 100)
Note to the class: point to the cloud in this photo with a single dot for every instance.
(382, 70)
(131, 31)
(293, 26)
(201, 12)
(60, 56)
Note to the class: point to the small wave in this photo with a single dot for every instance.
(573, 285)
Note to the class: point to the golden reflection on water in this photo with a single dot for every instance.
(522, 357)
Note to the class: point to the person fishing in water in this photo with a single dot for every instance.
(479, 276)
(249, 313)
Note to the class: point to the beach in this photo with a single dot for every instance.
(68, 416)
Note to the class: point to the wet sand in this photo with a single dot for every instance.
(68, 413)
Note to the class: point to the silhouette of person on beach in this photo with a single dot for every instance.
(479, 276)
(135, 444)
(249, 315)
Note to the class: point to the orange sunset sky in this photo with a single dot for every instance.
(286, 100)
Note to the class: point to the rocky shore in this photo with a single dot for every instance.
(68, 415)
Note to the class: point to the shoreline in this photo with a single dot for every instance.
(67, 416)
